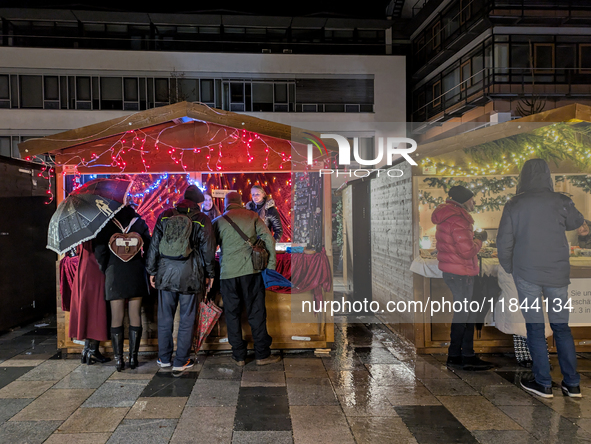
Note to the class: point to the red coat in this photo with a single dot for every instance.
(456, 246)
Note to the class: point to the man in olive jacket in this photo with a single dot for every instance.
(239, 283)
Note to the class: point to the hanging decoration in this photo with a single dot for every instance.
(554, 143)
(483, 188)
(583, 182)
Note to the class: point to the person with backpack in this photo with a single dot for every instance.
(181, 266)
(118, 251)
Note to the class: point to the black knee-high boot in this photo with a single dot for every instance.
(94, 354)
(117, 341)
(84, 357)
(135, 335)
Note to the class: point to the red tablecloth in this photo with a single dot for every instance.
(307, 272)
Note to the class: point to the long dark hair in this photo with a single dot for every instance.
(214, 211)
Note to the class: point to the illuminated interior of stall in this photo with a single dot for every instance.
(491, 171)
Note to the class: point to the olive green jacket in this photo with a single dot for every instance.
(235, 256)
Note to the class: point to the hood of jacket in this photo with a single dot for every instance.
(448, 209)
(535, 176)
(266, 204)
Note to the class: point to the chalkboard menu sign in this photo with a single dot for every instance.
(307, 209)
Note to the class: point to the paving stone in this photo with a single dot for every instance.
(350, 378)
(310, 391)
(54, 404)
(93, 420)
(86, 377)
(226, 372)
(478, 413)
(263, 379)
(27, 432)
(346, 361)
(150, 408)
(270, 405)
(146, 370)
(504, 437)
(145, 431)
(213, 425)
(546, 425)
(78, 438)
(363, 402)
(392, 374)
(9, 374)
(10, 407)
(266, 437)
(116, 394)
(434, 424)
(449, 387)
(50, 371)
(25, 389)
(375, 355)
(426, 370)
(214, 393)
(418, 395)
(320, 424)
(165, 384)
(480, 380)
(253, 367)
(508, 395)
(568, 407)
(19, 361)
(380, 430)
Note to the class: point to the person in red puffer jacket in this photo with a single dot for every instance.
(457, 248)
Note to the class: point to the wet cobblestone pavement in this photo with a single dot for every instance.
(370, 389)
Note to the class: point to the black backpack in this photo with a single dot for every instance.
(176, 239)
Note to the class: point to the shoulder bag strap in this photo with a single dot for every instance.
(124, 230)
(240, 232)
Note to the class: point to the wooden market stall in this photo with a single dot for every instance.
(193, 140)
(487, 160)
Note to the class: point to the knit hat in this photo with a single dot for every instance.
(194, 194)
(460, 194)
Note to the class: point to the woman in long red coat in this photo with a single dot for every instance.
(88, 309)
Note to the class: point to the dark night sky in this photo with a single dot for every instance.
(332, 8)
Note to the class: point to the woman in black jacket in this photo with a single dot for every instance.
(264, 206)
(124, 281)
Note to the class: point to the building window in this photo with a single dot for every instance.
(585, 58)
(31, 91)
(207, 91)
(466, 75)
(543, 58)
(5, 145)
(262, 97)
(465, 11)
(4, 91)
(111, 93)
(436, 35)
(437, 94)
(51, 92)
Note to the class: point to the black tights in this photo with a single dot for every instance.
(134, 312)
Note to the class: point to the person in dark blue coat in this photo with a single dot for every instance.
(532, 245)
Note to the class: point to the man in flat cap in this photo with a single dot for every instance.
(183, 236)
(457, 247)
(240, 284)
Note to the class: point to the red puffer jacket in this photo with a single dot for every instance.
(456, 248)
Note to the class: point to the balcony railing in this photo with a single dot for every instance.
(490, 83)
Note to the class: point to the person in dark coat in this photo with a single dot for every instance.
(181, 281)
(124, 281)
(264, 206)
(209, 208)
(584, 235)
(457, 248)
(532, 245)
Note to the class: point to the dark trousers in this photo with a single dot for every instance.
(462, 327)
(167, 304)
(249, 291)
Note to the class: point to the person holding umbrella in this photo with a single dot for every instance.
(126, 279)
(75, 223)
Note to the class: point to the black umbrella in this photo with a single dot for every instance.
(79, 218)
(114, 189)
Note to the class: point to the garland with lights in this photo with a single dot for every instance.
(554, 143)
(484, 185)
(583, 182)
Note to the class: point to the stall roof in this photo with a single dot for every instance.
(177, 113)
(570, 113)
